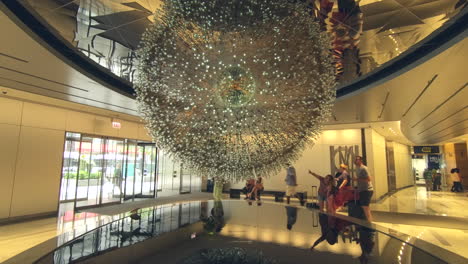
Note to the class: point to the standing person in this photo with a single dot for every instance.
(322, 190)
(364, 187)
(344, 193)
(332, 191)
(437, 182)
(428, 179)
(291, 183)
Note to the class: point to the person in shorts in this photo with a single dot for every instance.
(322, 193)
(291, 183)
(364, 187)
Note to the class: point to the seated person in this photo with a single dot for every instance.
(249, 185)
(257, 189)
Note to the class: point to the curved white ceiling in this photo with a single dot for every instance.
(430, 99)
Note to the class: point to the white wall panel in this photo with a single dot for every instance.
(128, 130)
(8, 150)
(316, 158)
(80, 122)
(38, 171)
(103, 126)
(143, 133)
(36, 115)
(403, 166)
(10, 111)
(377, 162)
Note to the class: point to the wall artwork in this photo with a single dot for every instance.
(343, 155)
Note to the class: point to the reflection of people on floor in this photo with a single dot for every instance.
(366, 242)
(331, 227)
(215, 222)
(134, 214)
(291, 214)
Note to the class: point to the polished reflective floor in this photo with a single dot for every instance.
(19, 237)
(233, 230)
(417, 200)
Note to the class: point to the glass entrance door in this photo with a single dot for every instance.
(113, 159)
(88, 182)
(168, 174)
(148, 160)
(101, 170)
(130, 170)
(140, 179)
(185, 179)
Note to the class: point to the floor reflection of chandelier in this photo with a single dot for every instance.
(235, 87)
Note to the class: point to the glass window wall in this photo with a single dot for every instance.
(100, 170)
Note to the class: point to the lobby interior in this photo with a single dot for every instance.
(83, 178)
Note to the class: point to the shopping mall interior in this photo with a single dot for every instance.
(233, 131)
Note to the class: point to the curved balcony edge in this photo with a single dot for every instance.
(27, 19)
(444, 37)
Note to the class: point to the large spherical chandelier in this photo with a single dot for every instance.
(235, 88)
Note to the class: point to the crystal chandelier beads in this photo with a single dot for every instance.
(236, 87)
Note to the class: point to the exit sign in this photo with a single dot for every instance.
(116, 124)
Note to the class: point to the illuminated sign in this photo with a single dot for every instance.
(426, 149)
(116, 124)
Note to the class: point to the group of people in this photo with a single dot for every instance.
(433, 180)
(335, 191)
(253, 189)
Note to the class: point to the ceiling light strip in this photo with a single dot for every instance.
(68, 94)
(449, 127)
(13, 57)
(461, 130)
(420, 94)
(384, 104)
(440, 121)
(441, 104)
(44, 79)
